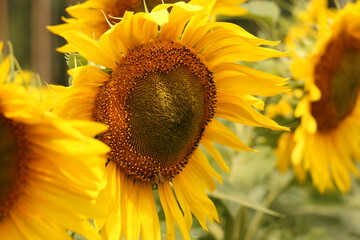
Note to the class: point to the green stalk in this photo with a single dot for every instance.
(256, 220)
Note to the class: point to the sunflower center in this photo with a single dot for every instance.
(11, 163)
(337, 75)
(157, 104)
(166, 110)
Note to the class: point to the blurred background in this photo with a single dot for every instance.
(23, 22)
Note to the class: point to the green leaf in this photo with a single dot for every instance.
(74, 60)
(244, 202)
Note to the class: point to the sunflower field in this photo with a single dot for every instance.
(167, 119)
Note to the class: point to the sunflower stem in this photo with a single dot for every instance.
(275, 191)
(145, 7)
(235, 225)
(14, 64)
(228, 225)
(11, 55)
(242, 216)
(256, 220)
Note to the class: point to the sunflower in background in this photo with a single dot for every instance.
(162, 92)
(50, 172)
(326, 56)
(228, 8)
(94, 17)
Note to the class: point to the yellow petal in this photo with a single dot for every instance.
(150, 226)
(215, 154)
(110, 198)
(88, 76)
(4, 69)
(232, 52)
(172, 212)
(68, 221)
(34, 228)
(235, 109)
(178, 18)
(197, 200)
(133, 212)
(242, 80)
(200, 160)
(89, 49)
(217, 132)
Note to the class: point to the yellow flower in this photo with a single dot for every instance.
(282, 108)
(229, 8)
(314, 10)
(50, 173)
(283, 152)
(161, 94)
(327, 140)
(94, 17)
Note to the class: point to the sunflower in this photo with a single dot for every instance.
(50, 172)
(161, 81)
(94, 17)
(327, 141)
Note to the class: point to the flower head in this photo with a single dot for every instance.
(328, 137)
(51, 169)
(161, 93)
